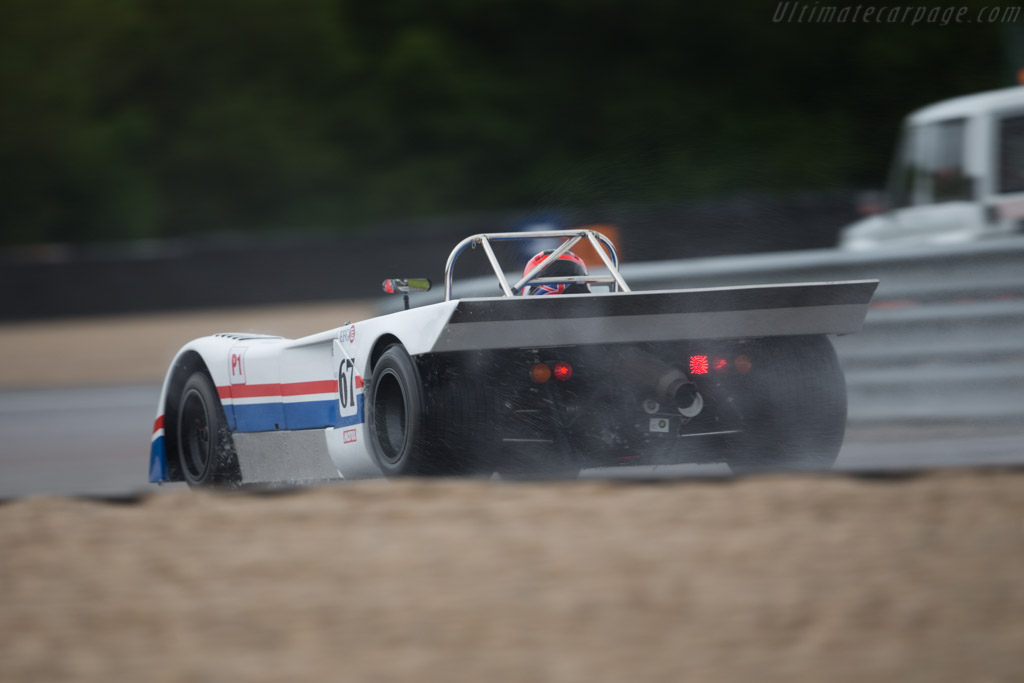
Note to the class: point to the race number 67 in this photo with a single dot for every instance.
(347, 385)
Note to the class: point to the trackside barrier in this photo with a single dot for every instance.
(944, 340)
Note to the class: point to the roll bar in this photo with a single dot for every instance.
(601, 244)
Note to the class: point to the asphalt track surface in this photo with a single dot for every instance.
(95, 441)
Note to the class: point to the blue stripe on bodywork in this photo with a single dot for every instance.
(311, 414)
(158, 461)
(268, 417)
(356, 419)
(229, 413)
(259, 417)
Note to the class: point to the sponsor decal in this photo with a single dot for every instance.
(237, 365)
(352, 334)
(348, 436)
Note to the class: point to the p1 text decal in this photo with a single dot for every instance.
(237, 365)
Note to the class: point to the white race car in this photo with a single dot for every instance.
(520, 385)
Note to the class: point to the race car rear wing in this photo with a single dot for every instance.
(651, 316)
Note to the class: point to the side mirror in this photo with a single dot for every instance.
(413, 284)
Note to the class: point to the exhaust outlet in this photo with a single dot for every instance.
(670, 385)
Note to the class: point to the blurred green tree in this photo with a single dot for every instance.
(149, 118)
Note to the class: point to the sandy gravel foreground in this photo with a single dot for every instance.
(774, 579)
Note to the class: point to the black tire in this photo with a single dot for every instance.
(415, 431)
(394, 414)
(460, 424)
(206, 452)
(793, 413)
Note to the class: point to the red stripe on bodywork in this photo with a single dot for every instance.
(327, 386)
(359, 382)
(159, 424)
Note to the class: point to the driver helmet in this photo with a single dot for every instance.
(568, 264)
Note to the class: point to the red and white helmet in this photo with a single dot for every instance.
(566, 265)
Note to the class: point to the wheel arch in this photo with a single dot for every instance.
(426, 363)
(379, 347)
(187, 364)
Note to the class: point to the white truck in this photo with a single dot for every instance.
(958, 175)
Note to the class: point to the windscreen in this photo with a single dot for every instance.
(1011, 154)
(930, 165)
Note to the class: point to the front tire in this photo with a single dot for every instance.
(206, 452)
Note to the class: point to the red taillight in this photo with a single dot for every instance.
(720, 364)
(742, 364)
(698, 365)
(540, 373)
(563, 371)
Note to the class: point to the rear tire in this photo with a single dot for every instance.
(206, 451)
(793, 417)
(420, 431)
(394, 414)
